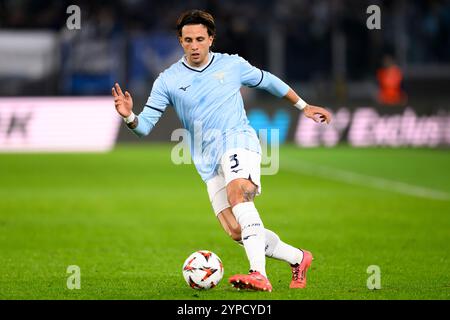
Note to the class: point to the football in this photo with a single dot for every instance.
(203, 270)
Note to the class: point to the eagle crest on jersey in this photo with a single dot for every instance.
(219, 76)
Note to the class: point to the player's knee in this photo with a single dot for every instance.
(234, 197)
(242, 191)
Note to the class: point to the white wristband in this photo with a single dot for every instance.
(130, 118)
(300, 104)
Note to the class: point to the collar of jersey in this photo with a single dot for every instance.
(201, 69)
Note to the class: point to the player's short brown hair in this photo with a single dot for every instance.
(197, 17)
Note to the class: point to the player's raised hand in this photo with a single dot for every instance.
(123, 102)
(318, 114)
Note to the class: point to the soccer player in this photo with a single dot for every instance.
(204, 88)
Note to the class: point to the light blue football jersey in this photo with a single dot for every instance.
(209, 104)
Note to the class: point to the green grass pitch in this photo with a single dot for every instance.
(129, 218)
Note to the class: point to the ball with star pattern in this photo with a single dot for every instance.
(203, 270)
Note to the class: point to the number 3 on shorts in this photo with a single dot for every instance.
(234, 158)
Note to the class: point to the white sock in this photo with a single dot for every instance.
(252, 234)
(275, 248)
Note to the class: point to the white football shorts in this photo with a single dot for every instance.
(234, 164)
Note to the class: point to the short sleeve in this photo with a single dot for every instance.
(156, 104)
(159, 97)
(250, 75)
(253, 77)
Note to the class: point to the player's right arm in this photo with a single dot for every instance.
(143, 123)
(124, 105)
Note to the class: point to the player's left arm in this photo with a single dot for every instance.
(318, 114)
(279, 88)
(260, 79)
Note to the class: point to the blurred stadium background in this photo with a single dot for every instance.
(321, 48)
(388, 90)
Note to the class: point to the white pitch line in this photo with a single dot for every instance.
(362, 180)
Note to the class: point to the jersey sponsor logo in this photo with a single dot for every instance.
(236, 170)
(184, 88)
